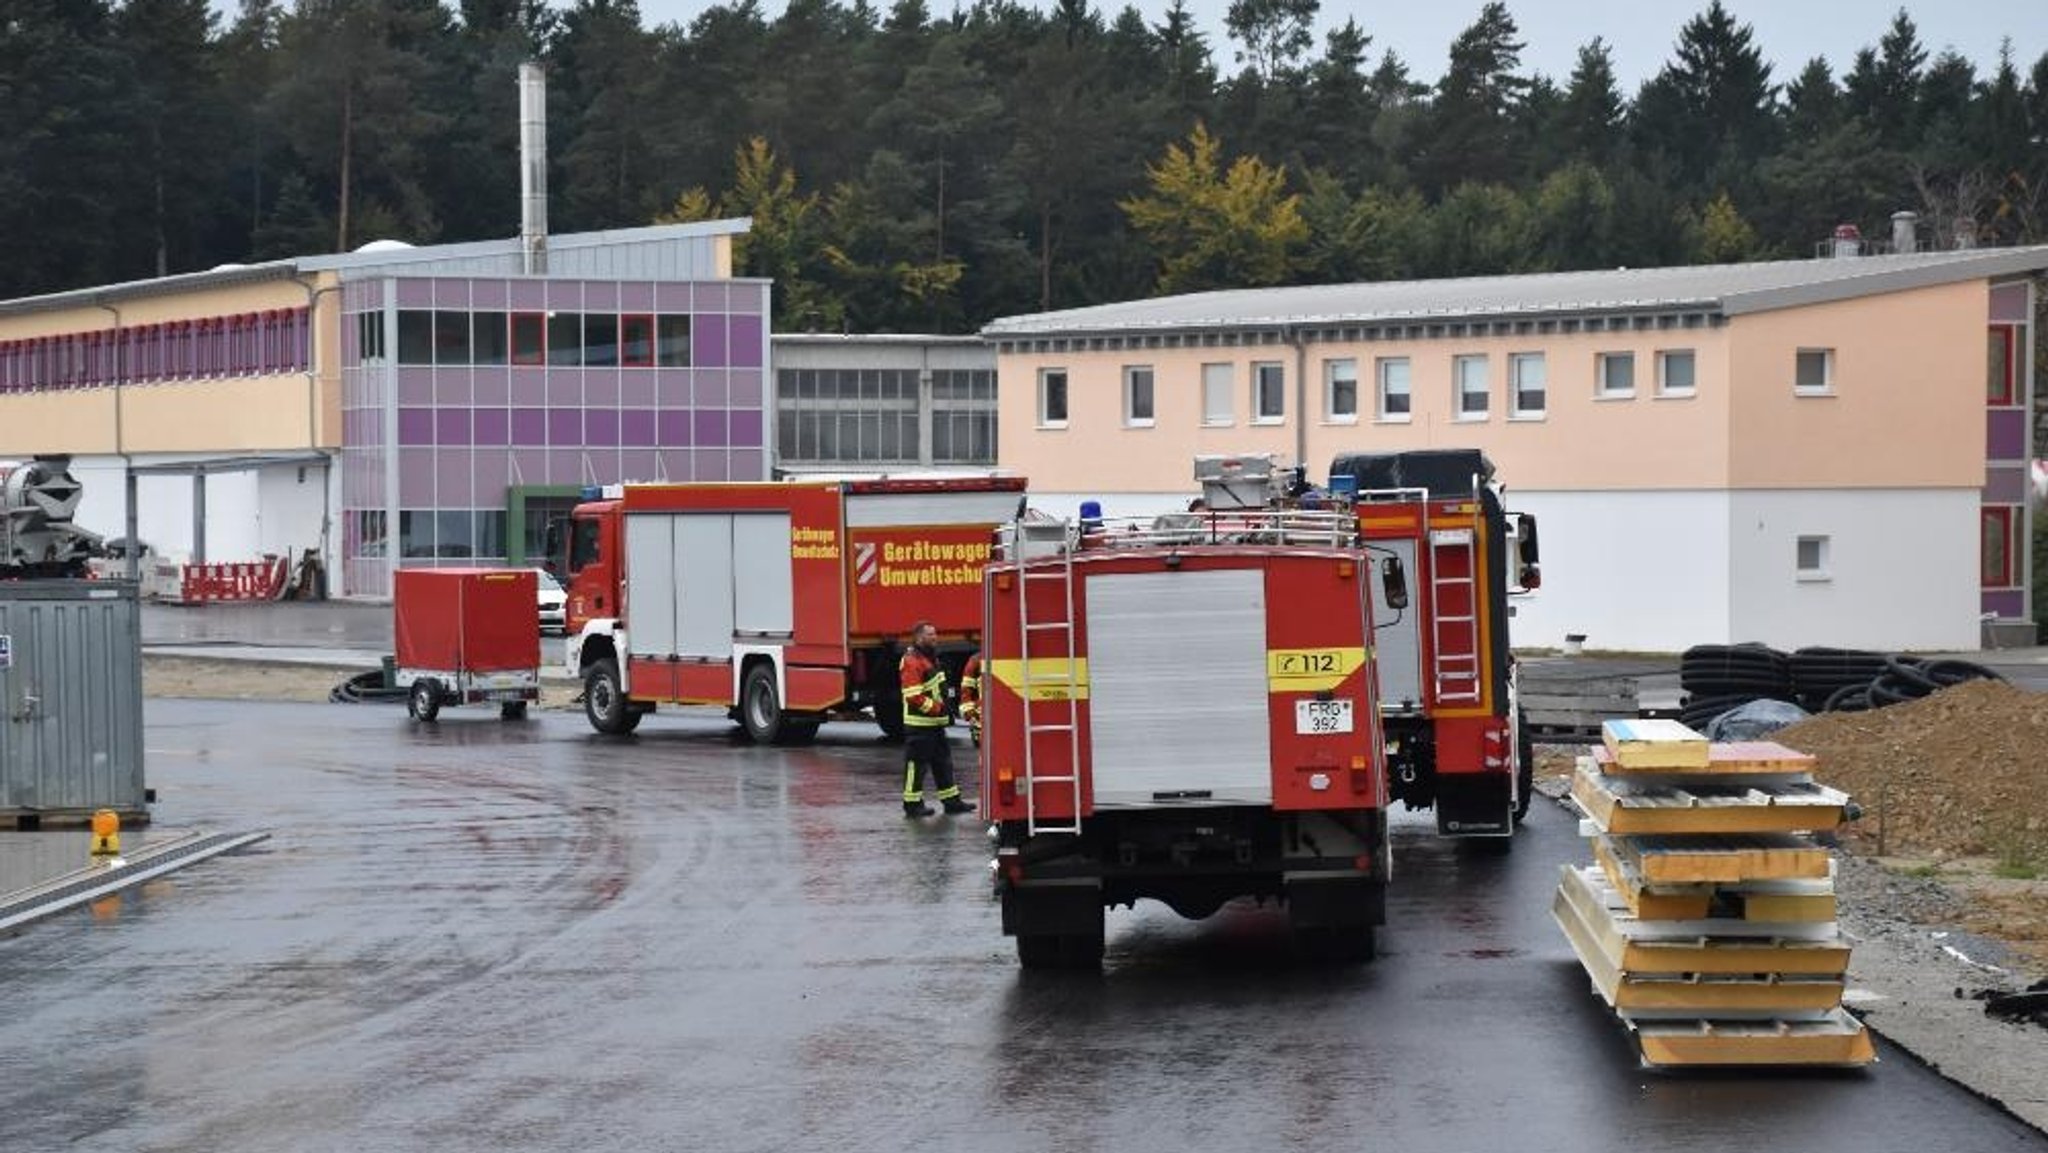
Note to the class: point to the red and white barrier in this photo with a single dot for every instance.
(262, 580)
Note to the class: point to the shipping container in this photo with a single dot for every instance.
(70, 702)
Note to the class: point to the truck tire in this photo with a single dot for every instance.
(1039, 950)
(761, 707)
(512, 711)
(1525, 767)
(423, 702)
(887, 694)
(604, 702)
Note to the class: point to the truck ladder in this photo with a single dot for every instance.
(1456, 669)
(1048, 630)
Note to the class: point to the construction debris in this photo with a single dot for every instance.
(1707, 922)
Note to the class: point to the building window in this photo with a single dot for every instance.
(963, 415)
(1675, 372)
(1526, 379)
(1340, 391)
(565, 338)
(600, 340)
(672, 341)
(529, 338)
(1996, 552)
(1395, 401)
(1138, 396)
(636, 341)
(1812, 555)
(1813, 371)
(1617, 373)
(451, 338)
(415, 337)
(1269, 392)
(487, 338)
(1216, 387)
(1999, 385)
(1469, 375)
(1052, 398)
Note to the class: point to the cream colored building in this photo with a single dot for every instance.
(1802, 452)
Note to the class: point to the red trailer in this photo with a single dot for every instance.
(466, 636)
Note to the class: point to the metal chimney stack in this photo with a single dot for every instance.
(533, 168)
(1905, 237)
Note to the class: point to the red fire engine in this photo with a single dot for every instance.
(781, 601)
(1455, 736)
(1185, 710)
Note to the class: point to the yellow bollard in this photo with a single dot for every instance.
(106, 833)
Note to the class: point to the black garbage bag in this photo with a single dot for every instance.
(1754, 721)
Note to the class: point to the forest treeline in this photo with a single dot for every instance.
(913, 169)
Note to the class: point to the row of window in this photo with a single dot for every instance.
(875, 415)
(1676, 374)
(453, 338)
(245, 344)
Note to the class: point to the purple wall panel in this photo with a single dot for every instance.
(565, 386)
(639, 464)
(451, 292)
(708, 428)
(451, 386)
(674, 298)
(2005, 434)
(712, 464)
(451, 426)
(2005, 604)
(601, 427)
(415, 386)
(2009, 303)
(415, 293)
(415, 479)
(673, 431)
(712, 390)
(744, 387)
(745, 428)
(2005, 485)
(529, 386)
(600, 296)
(565, 465)
(415, 426)
(636, 388)
(491, 386)
(491, 473)
(678, 464)
(565, 295)
(749, 464)
(529, 426)
(601, 387)
(637, 427)
(745, 350)
(673, 387)
(565, 427)
(707, 341)
(526, 295)
(636, 296)
(454, 479)
(712, 296)
(487, 295)
(493, 426)
(532, 465)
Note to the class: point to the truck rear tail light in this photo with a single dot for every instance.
(1346, 569)
(1003, 582)
(1361, 774)
(1006, 786)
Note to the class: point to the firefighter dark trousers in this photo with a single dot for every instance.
(925, 749)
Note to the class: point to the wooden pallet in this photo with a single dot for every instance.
(1620, 805)
(1640, 745)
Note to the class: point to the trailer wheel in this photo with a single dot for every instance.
(604, 702)
(512, 711)
(424, 701)
(1525, 767)
(761, 705)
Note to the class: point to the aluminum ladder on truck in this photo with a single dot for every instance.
(1456, 669)
(1067, 686)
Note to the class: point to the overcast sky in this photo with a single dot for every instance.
(1641, 31)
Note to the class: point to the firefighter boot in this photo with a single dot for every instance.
(955, 805)
(916, 809)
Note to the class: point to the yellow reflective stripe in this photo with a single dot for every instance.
(946, 794)
(924, 722)
(911, 793)
(1050, 677)
(1311, 670)
(934, 685)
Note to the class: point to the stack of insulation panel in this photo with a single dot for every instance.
(1707, 921)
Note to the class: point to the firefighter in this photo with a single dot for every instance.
(970, 694)
(924, 720)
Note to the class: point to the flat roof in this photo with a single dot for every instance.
(377, 256)
(1727, 289)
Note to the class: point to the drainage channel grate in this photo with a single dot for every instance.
(78, 888)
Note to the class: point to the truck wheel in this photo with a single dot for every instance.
(604, 702)
(512, 711)
(761, 705)
(1082, 950)
(1525, 767)
(424, 701)
(887, 694)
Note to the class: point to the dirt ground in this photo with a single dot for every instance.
(1954, 793)
(202, 679)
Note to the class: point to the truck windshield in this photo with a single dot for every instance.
(582, 544)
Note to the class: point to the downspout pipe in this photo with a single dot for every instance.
(129, 518)
(1296, 341)
(313, 295)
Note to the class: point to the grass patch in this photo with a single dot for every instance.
(2016, 871)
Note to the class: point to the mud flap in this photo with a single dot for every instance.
(1477, 805)
(1053, 907)
(1336, 902)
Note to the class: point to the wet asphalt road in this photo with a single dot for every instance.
(524, 937)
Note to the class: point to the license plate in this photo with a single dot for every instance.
(505, 695)
(1322, 716)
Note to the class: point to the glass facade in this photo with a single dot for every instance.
(862, 417)
(455, 390)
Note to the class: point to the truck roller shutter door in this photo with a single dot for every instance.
(650, 594)
(704, 580)
(762, 599)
